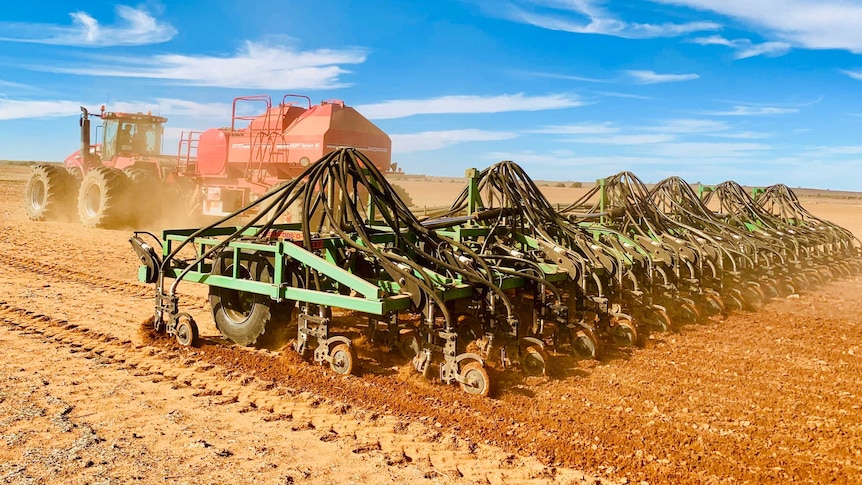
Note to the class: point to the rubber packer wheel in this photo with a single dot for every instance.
(533, 361)
(49, 193)
(624, 334)
(714, 305)
(584, 345)
(408, 345)
(343, 359)
(476, 381)
(241, 316)
(732, 303)
(689, 313)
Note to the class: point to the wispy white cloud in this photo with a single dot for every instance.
(673, 131)
(825, 24)
(565, 77)
(651, 77)
(745, 48)
(842, 150)
(14, 85)
(626, 139)
(175, 107)
(588, 17)
(857, 75)
(600, 165)
(402, 108)
(697, 150)
(614, 94)
(435, 140)
(687, 126)
(578, 129)
(134, 26)
(744, 135)
(11, 109)
(255, 65)
(741, 110)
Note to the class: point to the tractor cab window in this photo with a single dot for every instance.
(124, 137)
(109, 147)
(132, 138)
(146, 138)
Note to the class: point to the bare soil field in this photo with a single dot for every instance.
(89, 395)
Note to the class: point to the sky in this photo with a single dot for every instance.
(757, 91)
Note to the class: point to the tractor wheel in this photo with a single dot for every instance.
(103, 198)
(144, 195)
(49, 193)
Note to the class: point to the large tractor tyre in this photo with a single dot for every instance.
(49, 193)
(145, 195)
(248, 318)
(103, 198)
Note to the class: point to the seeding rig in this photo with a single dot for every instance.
(500, 279)
(123, 179)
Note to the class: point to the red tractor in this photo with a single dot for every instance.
(125, 179)
(102, 180)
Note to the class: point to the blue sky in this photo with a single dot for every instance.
(758, 91)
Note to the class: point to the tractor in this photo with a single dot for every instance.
(105, 181)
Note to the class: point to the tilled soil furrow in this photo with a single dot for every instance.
(60, 273)
(247, 393)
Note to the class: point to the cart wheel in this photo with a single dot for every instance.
(187, 332)
(624, 333)
(533, 361)
(584, 345)
(343, 359)
(476, 380)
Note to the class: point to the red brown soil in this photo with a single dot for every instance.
(88, 395)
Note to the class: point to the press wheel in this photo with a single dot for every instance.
(343, 359)
(533, 361)
(476, 381)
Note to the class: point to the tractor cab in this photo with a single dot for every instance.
(131, 135)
